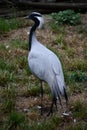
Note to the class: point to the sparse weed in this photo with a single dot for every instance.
(78, 76)
(78, 126)
(77, 64)
(60, 41)
(76, 88)
(4, 55)
(32, 91)
(82, 29)
(71, 52)
(79, 110)
(49, 124)
(85, 51)
(57, 28)
(76, 80)
(7, 25)
(6, 77)
(22, 62)
(47, 89)
(18, 43)
(7, 65)
(15, 121)
(9, 96)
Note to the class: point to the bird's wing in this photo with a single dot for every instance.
(38, 64)
(55, 64)
(57, 69)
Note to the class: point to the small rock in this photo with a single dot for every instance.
(65, 114)
(28, 33)
(7, 46)
(26, 110)
(39, 107)
(74, 120)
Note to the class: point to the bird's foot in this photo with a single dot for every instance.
(41, 109)
(50, 112)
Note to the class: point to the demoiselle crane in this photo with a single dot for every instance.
(44, 64)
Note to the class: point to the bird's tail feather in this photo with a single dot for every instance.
(56, 92)
(59, 89)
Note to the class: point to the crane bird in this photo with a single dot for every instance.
(44, 64)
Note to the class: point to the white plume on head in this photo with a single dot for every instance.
(41, 20)
(36, 13)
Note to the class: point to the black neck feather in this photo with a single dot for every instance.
(32, 32)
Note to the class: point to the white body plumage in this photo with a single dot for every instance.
(44, 63)
(46, 66)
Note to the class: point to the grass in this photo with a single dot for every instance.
(18, 121)
(20, 90)
(8, 25)
(19, 44)
(78, 126)
(57, 28)
(76, 76)
(9, 95)
(14, 121)
(79, 110)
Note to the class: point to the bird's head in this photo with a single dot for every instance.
(37, 18)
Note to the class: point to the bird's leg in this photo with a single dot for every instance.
(67, 103)
(60, 100)
(41, 97)
(51, 108)
(66, 97)
(55, 101)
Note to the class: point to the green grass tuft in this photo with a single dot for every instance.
(7, 25)
(79, 110)
(78, 126)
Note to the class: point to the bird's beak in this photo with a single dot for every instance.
(26, 17)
